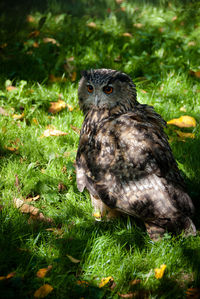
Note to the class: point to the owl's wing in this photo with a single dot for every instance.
(128, 164)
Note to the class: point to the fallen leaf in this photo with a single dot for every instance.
(61, 187)
(159, 272)
(127, 34)
(184, 121)
(72, 259)
(51, 40)
(43, 291)
(134, 282)
(42, 272)
(161, 29)
(34, 33)
(123, 8)
(119, 1)
(185, 135)
(193, 293)
(11, 148)
(192, 43)
(129, 295)
(29, 199)
(30, 19)
(17, 184)
(138, 25)
(3, 111)
(57, 106)
(4, 45)
(70, 108)
(10, 275)
(35, 45)
(75, 129)
(53, 79)
(39, 217)
(105, 280)
(10, 88)
(51, 132)
(55, 231)
(174, 18)
(18, 116)
(195, 73)
(92, 25)
(73, 76)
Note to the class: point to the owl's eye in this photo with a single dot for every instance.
(90, 88)
(108, 89)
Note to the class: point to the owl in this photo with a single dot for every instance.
(124, 159)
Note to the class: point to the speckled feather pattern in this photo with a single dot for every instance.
(125, 160)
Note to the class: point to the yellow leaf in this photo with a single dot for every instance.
(43, 291)
(105, 280)
(2, 277)
(73, 76)
(18, 116)
(82, 282)
(183, 109)
(70, 107)
(185, 135)
(72, 259)
(57, 106)
(11, 149)
(42, 272)
(184, 121)
(159, 272)
(35, 121)
(30, 19)
(51, 132)
(75, 129)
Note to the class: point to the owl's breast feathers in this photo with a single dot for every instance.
(126, 161)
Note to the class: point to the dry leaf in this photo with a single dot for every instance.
(92, 25)
(73, 260)
(30, 19)
(29, 199)
(134, 282)
(53, 79)
(51, 40)
(52, 132)
(159, 272)
(129, 295)
(10, 88)
(55, 231)
(75, 129)
(42, 272)
(195, 73)
(10, 275)
(39, 217)
(193, 293)
(43, 291)
(11, 148)
(18, 116)
(4, 45)
(57, 106)
(119, 1)
(192, 43)
(174, 18)
(70, 108)
(34, 33)
(3, 111)
(185, 135)
(184, 121)
(105, 280)
(35, 45)
(138, 25)
(127, 34)
(123, 8)
(73, 76)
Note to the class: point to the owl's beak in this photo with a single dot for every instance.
(96, 100)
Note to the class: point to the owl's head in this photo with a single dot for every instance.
(105, 88)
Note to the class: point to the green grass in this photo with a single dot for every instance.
(159, 55)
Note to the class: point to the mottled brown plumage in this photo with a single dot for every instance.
(124, 159)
